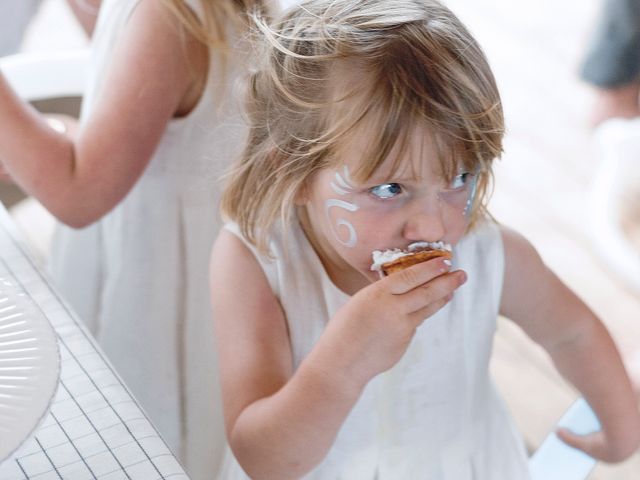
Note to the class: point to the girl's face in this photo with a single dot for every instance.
(346, 220)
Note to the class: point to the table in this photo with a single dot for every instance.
(95, 429)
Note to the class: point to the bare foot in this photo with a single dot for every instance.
(619, 102)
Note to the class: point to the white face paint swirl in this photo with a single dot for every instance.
(342, 186)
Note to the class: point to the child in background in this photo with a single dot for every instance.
(158, 124)
(612, 62)
(374, 124)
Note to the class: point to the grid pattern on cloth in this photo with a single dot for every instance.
(94, 428)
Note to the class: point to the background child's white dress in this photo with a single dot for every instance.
(436, 414)
(139, 276)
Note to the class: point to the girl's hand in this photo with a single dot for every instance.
(4, 175)
(372, 331)
(597, 445)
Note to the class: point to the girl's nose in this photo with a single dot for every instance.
(426, 223)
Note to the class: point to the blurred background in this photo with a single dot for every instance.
(542, 181)
(542, 189)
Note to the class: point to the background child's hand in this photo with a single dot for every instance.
(597, 445)
(373, 330)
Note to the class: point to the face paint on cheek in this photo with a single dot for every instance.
(472, 197)
(338, 189)
(344, 181)
(342, 187)
(340, 222)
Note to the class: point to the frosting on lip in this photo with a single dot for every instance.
(380, 257)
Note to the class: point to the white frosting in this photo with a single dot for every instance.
(380, 257)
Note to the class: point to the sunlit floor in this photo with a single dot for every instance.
(541, 182)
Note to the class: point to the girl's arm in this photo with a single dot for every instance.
(150, 80)
(281, 423)
(579, 345)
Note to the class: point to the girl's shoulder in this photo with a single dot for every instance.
(273, 241)
(266, 260)
(281, 241)
(288, 260)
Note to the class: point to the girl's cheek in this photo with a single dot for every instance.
(339, 208)
(373, 233)
(456, 229)
(339, 215)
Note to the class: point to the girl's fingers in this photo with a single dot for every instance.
(433, 291)
(418, 317)
(590, 444)
(416, 275)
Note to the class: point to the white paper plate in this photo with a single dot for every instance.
(29, 367)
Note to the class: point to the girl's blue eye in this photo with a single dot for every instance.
(460, 180)
(386, 190)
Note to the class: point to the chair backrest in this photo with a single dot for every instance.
(38, 76)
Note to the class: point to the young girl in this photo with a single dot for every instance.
(374, 125)
(157, 126)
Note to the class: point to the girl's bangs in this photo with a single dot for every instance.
(393, 139)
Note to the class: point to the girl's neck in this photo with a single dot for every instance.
(344, 276)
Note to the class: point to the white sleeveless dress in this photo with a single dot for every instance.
(436, 415)
(139, 276)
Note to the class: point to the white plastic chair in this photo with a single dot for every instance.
(35, 77)
(39, 76)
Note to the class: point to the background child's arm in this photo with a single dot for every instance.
(579, 344)
(149, 80)
(281, 423)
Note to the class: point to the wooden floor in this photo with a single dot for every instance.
(535, 48)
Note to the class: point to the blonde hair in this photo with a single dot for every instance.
(412, 62)
(218, 17)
